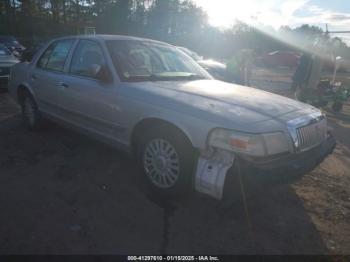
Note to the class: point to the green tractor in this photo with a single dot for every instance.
(321, 93)
(326, 93)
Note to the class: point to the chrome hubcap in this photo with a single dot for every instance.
(29, 111)
(161, 163)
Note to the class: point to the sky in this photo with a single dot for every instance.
(275, 13)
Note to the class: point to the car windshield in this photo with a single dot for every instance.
(149, 61)
(4, 51)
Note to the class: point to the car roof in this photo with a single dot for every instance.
(113, 37)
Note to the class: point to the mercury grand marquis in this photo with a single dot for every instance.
(186, 130)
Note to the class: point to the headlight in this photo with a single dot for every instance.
(250, 144)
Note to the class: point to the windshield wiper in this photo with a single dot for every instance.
(141, 78)
(194, 77)
(178, 77)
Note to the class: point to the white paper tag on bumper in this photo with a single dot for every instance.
(211, 173)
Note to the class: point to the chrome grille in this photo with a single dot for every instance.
(311, 135)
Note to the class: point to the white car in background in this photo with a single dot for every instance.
(7, 60)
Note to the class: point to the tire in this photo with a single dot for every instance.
(167, 159)
(239, 186)
(30, 113)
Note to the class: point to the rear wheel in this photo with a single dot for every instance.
(30, 112)
(167, 159)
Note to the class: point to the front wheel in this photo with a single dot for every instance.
(167, 159)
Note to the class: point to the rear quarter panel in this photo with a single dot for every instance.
(19, 77)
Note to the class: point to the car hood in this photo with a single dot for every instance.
(224, 99)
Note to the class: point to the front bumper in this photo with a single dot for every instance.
(214, 165)
(296, 163)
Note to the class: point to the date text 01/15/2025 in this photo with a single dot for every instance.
(173, 258)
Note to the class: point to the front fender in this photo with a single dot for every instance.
(195, 129)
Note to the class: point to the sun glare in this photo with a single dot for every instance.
(223, 13)
(273, 13)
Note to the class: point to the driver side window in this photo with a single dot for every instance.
(86, 55)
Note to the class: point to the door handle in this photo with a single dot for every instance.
(34, 77)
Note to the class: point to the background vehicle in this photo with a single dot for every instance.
(280, 58)
(7, 60)
(191, 53)
(215, 68)
(29, 53)
(185, 128)
(12, 44)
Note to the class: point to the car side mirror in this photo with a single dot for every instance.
(100, 72)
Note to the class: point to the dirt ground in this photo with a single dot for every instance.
(63, 193)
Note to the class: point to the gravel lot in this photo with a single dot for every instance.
(63, 193)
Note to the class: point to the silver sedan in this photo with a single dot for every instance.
(186, 129)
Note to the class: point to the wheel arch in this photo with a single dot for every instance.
(21, 90)
(152, 122)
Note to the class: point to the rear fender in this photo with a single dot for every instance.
(25, 86)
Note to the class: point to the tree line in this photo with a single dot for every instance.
(179, 22)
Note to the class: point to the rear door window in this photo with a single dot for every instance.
(45, 56)
(54, 58)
